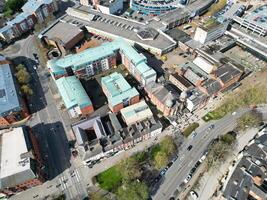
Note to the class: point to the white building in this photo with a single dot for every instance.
(136, 113)
(210, 31)
(203, 64)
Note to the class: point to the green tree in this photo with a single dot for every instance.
(160, 160)
(228, 139)
(133, 191)
(96, 196)
(129, 169)
(20, 67)
(249, 120)
(26, 90)
(14, 5)
(167, 145)
(23, 76)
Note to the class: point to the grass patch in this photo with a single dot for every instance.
(190, 129)
(249, 97)
(110, 179)
(155, 149)
(217, 7)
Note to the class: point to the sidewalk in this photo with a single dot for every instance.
(209, 183)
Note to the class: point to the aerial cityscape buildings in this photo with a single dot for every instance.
(138, 99)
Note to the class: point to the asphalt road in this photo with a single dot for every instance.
(187, 159)
(51, 130)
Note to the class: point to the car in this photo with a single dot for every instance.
(163, 172)
(211, 127)
(194, 134)
(234, 113)
(170, 164)
(188, 178)
(34, 67)
(192, 171)
(193, 194)
(189, 147)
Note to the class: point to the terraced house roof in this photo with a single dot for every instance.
(72, 92)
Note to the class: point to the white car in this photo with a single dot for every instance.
(234, 113)
(193, 194)
(188, 178)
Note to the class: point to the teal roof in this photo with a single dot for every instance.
(80, 60)
(72, 92)
(118, 88)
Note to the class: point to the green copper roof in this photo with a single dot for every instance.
(80, 60)
(118, 88)
(72, 92)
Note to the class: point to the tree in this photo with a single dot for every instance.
(23, 76)
(20, 67)
(129, 169)
(133, 191)
(167, 145)
(228, 139)
(26, 90)
(13, 6)
(160, 160)
(249, 120)
(218, 154)
(96, 196)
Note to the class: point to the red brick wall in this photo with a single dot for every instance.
(29, 184)
(116, 108)
(3, 122)
(87, 110)
(134, 100)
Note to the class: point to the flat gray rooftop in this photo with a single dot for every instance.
(63, 31)
(115, 26)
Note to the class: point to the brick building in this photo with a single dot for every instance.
(34, 11)
(118, 92)
(12, 106)
(21, 167)
(74, 96)
(95, 60)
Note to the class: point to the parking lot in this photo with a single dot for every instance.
(246, 59)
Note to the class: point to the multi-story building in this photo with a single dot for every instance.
(180, 82)
(196, 100)
(74, 96)
(34, 11)
(12, 106)
(209, 31)
(136, 113)
(164, 98)
(21, 162)
(103, 137)
(118, 92)
(192, 73)
(95, 60)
